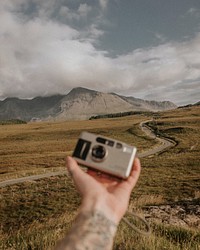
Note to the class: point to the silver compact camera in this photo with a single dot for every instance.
(104, 154)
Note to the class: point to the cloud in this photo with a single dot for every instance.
(156, 70)
(82, 12)
(103, 4)
(193, 12)
(39, 55)
(65, 12)
(84, 9)
(160, 37)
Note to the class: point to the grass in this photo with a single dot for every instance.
(34, 215)
(35, 148)
(176, 171)
(163, 237)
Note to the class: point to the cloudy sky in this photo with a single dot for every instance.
(148, 49)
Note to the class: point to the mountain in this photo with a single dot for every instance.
(190, 105)
(39, 108)
(197, 104)
(149, 105)
(78, 104)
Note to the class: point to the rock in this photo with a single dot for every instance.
(186, 214)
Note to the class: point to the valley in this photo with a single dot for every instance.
(168, 179)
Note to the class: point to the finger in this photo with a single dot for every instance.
(96, 173)
(131, 181)
(102, 176)
(135, 173)
(78, 175)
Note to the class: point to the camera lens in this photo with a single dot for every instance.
(98, 152)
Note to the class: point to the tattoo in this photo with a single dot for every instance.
(91, 231)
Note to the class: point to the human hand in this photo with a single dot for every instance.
(104, 192)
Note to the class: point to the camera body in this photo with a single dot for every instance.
(104, 154)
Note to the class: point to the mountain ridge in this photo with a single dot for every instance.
(79, 104)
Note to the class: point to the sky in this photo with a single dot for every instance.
(148, 49)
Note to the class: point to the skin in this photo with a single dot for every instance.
(105, 200)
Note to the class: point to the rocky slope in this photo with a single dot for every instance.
(78, 104)
(37, 108)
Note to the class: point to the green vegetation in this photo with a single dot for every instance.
(34, 215)
(10, 122)
(122, 114)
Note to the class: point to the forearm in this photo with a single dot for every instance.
(104, 203)
(91, 230)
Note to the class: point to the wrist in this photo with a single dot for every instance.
(100, 205)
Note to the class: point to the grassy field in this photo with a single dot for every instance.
(41, 147)
(34, 215)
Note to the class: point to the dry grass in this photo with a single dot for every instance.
(36, 148)
(175, 174)
(34, 215)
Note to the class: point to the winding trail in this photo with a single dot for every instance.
(163, 145)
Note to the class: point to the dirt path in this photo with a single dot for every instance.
(164, 144)
(30, 178)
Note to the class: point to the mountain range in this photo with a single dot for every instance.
(79, 104)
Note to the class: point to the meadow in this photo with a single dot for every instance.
(34, 215)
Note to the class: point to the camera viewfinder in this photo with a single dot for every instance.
(101, 140)
(105, 141)
(118, 145)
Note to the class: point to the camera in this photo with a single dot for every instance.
(104, 154)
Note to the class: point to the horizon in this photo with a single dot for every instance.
(14, 97)
(146, 49)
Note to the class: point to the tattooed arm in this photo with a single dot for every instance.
(92, 230)
(104, 202)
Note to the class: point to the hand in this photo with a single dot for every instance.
(103, 192)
